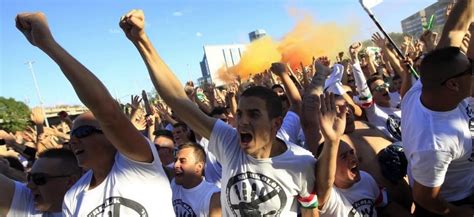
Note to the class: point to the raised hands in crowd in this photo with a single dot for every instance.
(324, 139)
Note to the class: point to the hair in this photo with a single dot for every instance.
(180, 124)
(371, 80)
(68, 159)
(198, 151)
(396, 76)
(15, 163)
(192, 136)
(165, 133)
(277, 86)
(272, 101)
(218, 111)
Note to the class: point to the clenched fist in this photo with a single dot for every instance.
(35, 28)
(133, 24)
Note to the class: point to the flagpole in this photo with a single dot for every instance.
(399, 52)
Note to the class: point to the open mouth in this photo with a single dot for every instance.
(246, 138)
(385, 94)
(178, 173)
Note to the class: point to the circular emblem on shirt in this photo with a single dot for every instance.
(362, 208)
(393, 127)
(254, 194)
(119, 206)
(183, 209)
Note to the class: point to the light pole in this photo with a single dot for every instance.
(30, 67)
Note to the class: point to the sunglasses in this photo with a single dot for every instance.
(174, 150)
(42, 178)
(382, 87)
(468, 71)
(85, 131)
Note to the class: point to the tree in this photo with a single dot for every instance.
(14, 115)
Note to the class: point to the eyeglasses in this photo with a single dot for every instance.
(85, 131)
(381, 87)
(173, 150)
(42, 178)
(468, 71)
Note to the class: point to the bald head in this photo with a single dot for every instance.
(86, 118)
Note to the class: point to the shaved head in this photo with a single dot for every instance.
(86, 118)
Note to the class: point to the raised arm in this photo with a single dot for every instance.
(458, 22)
(165, 82)
(115, 125)
(332, 124)
(292, 92)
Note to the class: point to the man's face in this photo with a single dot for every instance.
(48, 196)
(166, 149)
(89, 144)
(279, 91)
(397, 84)
(256, 129)
(185, 167)
(180, 135)
(347, 169)
(380, 93)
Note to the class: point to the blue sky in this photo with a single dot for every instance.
(89, 30)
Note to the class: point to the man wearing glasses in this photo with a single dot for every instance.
(52, 174)
(125, 173)
(437, 126)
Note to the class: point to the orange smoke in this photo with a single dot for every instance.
(307, 39)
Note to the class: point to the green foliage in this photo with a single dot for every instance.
(14, 115)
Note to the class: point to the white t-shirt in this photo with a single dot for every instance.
(385, 119)
(290, 128)
(23, 204)
(130, 189)
(212, 169)
(193, 202)
(257, 187)
(438, 146)
(358, 200)
(395, 99)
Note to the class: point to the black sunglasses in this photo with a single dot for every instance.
(85, 131)
(468, 71)
(41, 178)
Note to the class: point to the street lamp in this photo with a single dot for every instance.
(30, 67)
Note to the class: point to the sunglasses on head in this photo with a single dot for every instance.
(42, 178)
(468, 71)
(381, 87)
(85, 131)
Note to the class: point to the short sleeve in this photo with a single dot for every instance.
(224, 141)
(429, 167)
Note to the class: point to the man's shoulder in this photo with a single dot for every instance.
(299, 153)
(80, 185)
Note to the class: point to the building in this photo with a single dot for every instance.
(217, 56)
(257, 34)
(413, 25)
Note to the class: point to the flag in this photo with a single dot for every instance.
(369, 4)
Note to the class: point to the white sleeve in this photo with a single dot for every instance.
(291, 126)
(334, 204)
(365, 96)
(22, 201)
(139, 167)
(224, 142)
(429, 167)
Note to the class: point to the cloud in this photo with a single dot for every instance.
(177, 13)
(198, 34)
(115, 31)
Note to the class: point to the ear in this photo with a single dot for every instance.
(200, 168)
(452, 84)
(276, 122)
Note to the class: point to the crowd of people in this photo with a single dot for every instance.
(321, 140)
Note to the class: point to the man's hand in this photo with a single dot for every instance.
(378, 40)
(332, 119)
(278, 68)
(135, 102)
(37, 115)
(35, 28)
(354, 49)
(429, 39)
(133, 25)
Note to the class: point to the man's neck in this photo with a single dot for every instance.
(438, 102)
(101, 170)
(192, 182)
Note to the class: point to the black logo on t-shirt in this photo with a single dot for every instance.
(364, 207)
(112, 207)
(182, 209)
(470, 113)
(393, 127)
(253, 194)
